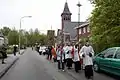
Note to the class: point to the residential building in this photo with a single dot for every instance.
(83, 30)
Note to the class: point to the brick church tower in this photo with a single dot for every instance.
(66, 15)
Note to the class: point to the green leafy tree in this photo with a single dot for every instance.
(34, 36)
(13, 37)
(5, 31)
(105, 24)
(26, 37)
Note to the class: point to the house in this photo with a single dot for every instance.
(83, 30)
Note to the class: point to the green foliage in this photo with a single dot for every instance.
(36, 37)
(10, 50)
(13, 37)
(26, 37)
(105, 24)
(5, 31)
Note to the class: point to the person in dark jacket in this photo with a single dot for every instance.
(15, 50)
(32, 47)
(49, 53)
(3, 52)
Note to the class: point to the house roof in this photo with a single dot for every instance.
(82, 25)
(69, 28)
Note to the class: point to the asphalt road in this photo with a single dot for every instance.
(32, 66)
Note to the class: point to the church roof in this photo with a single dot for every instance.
(69, 28)
(66, 9)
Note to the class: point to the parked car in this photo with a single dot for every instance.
(108, 61)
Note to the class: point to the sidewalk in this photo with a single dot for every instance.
(10, 60)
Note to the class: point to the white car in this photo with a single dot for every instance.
(42, 50)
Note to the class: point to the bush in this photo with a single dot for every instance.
(9, 51)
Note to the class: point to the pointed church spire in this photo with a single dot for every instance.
(66, 9)
(66, 15)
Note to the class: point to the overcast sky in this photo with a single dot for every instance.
(45, 13)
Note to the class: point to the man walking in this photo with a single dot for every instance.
(3, 52)
(68, 56)
(15, 50)
(87, 54)
(49, 53)
(76, 59)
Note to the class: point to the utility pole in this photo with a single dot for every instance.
(20, 29)
(79, 5)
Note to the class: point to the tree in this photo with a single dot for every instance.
(105, 24)
(34, 36)
(13, 37)
(22, 37)
(43, 39)
(5, 31)
(26, 37)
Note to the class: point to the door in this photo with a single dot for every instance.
(105, 61)
(115, 63)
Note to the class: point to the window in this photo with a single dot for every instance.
(84, 30)
(109, 53)
(88, 29)
(80, 32)
(117, 55)
(102, 53)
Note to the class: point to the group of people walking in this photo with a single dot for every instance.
(82, 59)
(68, 54)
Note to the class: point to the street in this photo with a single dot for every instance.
(32, 66)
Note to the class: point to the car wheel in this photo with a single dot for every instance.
(96, 67)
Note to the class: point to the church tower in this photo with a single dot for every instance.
(66, 15)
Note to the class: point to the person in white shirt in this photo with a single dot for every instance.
(60, 57)
(76, 59)
(87, 54)
(68, 56)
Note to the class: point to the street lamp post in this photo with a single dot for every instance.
(79, 5)
(20, 29)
